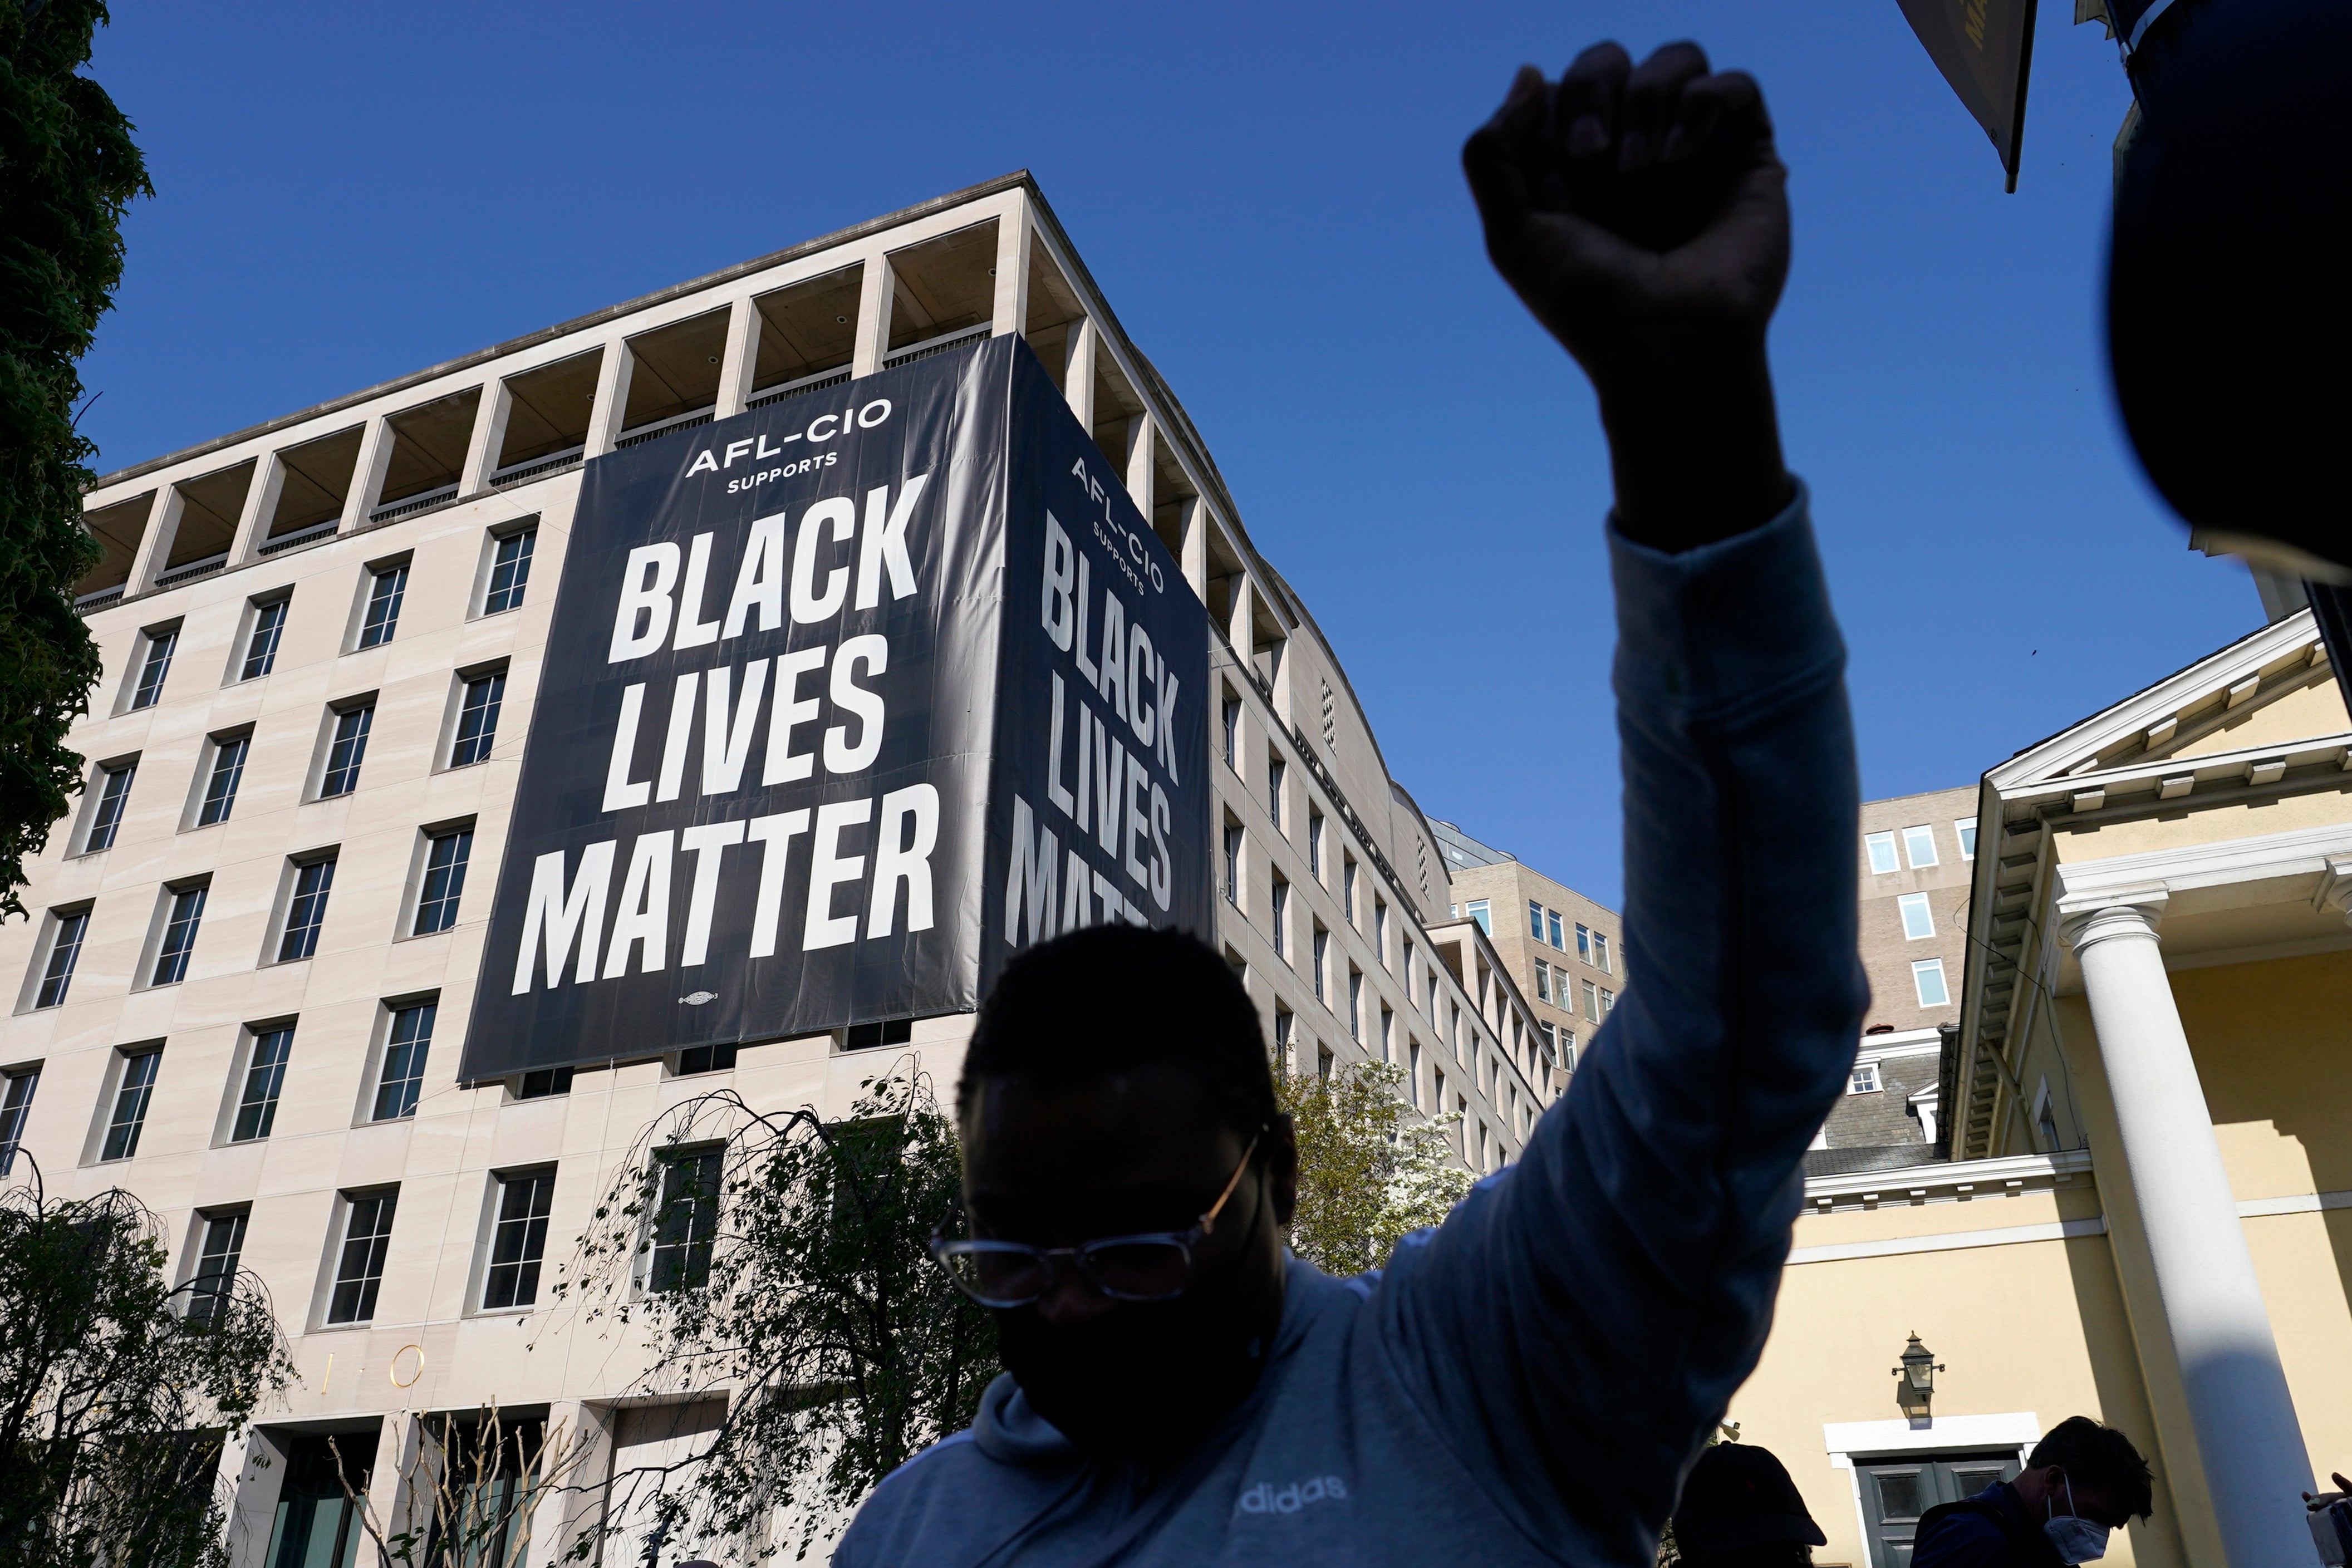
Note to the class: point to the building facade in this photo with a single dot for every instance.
(1562, 949)
(242, 995)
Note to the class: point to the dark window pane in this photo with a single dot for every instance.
(150, 690)
(520, 1240)
(543, 1081)
(685, 1220)
(444, 880)
(367, 1237)
(509, 571)
(348, 750)
(112, 799)
(262, 649)
(16, 1105)
(383, 606)
(130, 1106)
(478, 720)
(257, 1107)
(704, 1059)
(65, 952)
(216, 1265)
(306, 911)
(228, 772)
(405, 1053)
(1898, 1496)
(179, 937)
(863, 1036)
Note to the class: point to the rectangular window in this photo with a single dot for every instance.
(1881, 849)
(1413, 1072)
(367, 1238)
(1599, 950)
(65, 952)
(261, 647)
(112, 796)
(215, 1279)
(158, 664)
(1323, 1062)
(1482, 910)
(1348, 889)
(131, 1092)
(307, 910)
(184, 914)
(1380, 930)
(1285, 1031)
(406, 1048)
(477, 719)
(16, 1105)
(1322, 958)
(509, 571)
(1232, 865)
(1355, 1003)
(1608, 1001)
(1388, 1032)
(542, 1081)
(1965, 830)
(1280, 904)
(1864, 1079)
(348, 751)
(1233, 717)
(1315, 844)
(444, 880)
(1592, 1000)
(1535, 920)
(519, 1240)
(699, 1059)
(265, 1074)
(1919, 846)
(1584, 944)
(1273, 771)
(1928, 977)
(1437, 1086)
(861, 1037)
(1917, 920)
(1559, 936)
(685, 1217)
(228, 772)
(385, 595)
(1543, 981)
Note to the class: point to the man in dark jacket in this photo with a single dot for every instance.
(2081, 1481)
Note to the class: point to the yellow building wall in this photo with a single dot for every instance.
(2298, 715)
(2209, 825)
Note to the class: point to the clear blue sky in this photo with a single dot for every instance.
(1269, 195)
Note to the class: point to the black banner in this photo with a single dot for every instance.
(1985, 49)
(812, 672)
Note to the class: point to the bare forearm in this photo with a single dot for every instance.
(1695, 453)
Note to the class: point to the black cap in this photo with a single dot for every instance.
(1739, 1495)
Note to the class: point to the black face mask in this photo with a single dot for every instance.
(1148, 1378)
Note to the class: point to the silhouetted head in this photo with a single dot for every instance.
(1739, 1508)
(1117, 1086)
(2089, 1470)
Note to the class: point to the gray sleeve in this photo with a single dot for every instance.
(1580, 1322)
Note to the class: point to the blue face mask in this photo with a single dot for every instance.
(2078, 1539)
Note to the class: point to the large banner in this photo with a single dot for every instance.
(846, 701)
(1985, 49)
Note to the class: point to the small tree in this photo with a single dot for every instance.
(470, 1488)
(1372, 1169)
(118, 1392)
(783, 1261)
(67, 170)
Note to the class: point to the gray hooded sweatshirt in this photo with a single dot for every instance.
(1526, 1383)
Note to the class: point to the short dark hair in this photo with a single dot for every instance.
(2097, 1456)
(1113, 999)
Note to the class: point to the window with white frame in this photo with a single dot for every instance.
(1918, 921)
(1558, 940)
(1543, 982)
(1965, 830)
(1927, 978)
(1919, 846)
(359, 1265)
(408, 1044)
(1600, 951)
(1482, 910)
(1864, 1079)
(518, 1241)
(1880, 847)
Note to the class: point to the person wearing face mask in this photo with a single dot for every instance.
(1528, 1381)
(2082, 1482)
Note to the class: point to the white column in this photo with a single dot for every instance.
(255, 1468)
(1241, 626)
(2249, 1442)
(367, 479)
(1142, 464)
(735, 371)
(155, 545)
(612, 399)
(1196, 547)
(575, 1467)
(488, 438)
(1008, 311)
(260, 505)
(875, 289)
(1078, 372)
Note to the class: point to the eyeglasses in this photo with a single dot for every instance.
(1151, 1267)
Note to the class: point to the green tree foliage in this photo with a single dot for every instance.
(1372, 1169)
(808, 1294)
(115, 1398)
(67, 170)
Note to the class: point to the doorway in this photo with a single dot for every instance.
(318, 1524)
(1896, 1490)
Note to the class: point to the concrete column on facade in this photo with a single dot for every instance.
(1194, 555)
(1010, 312)
(1078, 372)
(577, 1464)
(155, 545)
(367, 478)
(2249, 1442)
(491, 412)
(260, 505)
(1241, 622)
(741, 360)
(407, 1467)
(611, 404)
(875, 289)
(255, 1472)
(1142, 462)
